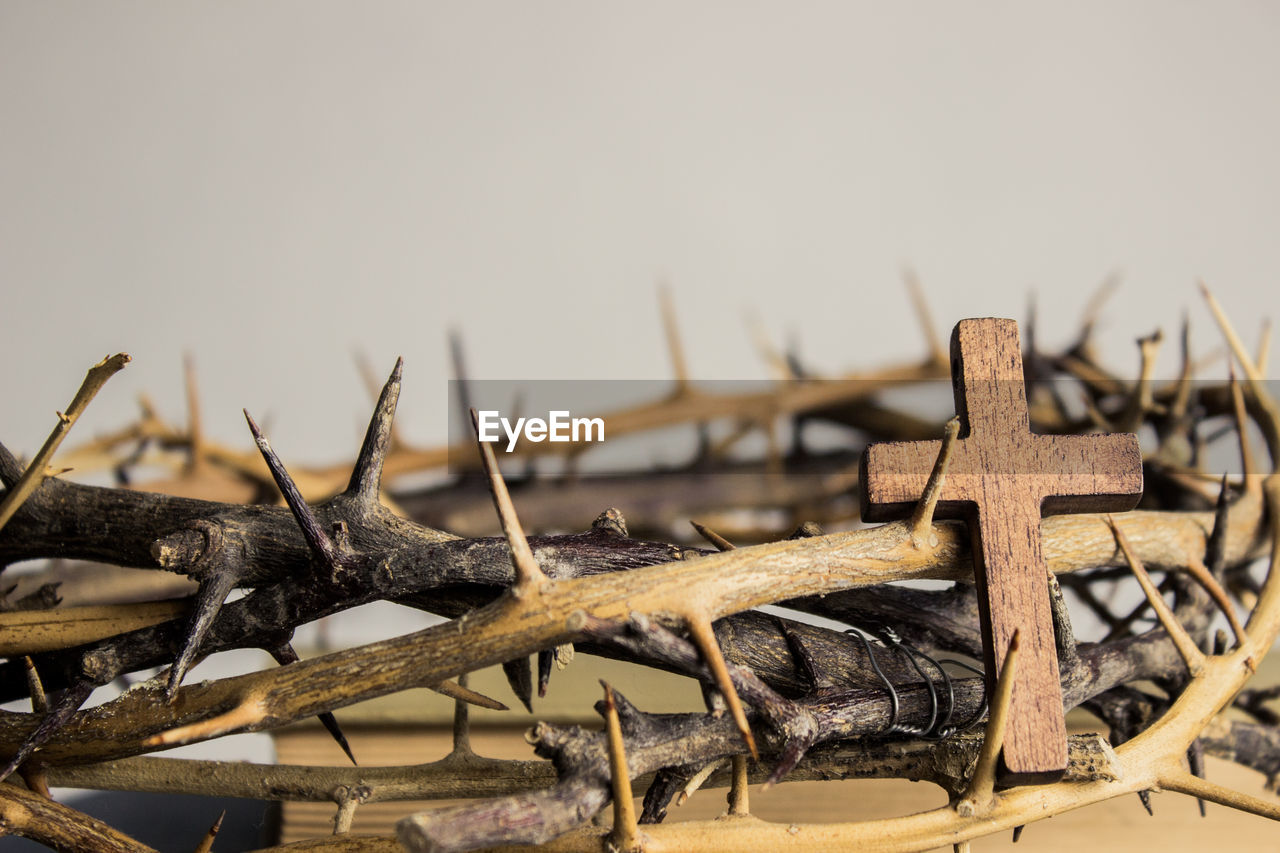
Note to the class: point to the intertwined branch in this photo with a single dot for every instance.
(803, 701)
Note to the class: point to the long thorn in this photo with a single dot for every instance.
(1191, 654)
(938, 351)
(1233, 340)
(195, 425)
(373, 385)
(520, 676)
(981, 791)
(457, 691)
(704, 637)
(1093, 309)
(1205, 578)
(366, 478)
(214, 589)
(711, 536)
(672, 333)
(285, 655)
(921, 524)
(1248, 466)
(546, 657)
(462, 384)
(1182, 395)
(39, 702)
(55, 718)
(767, 350)
(1185, 783)
(1195, 761)
(529, 576)
(625, 834)
(206, 843)
(321, 544)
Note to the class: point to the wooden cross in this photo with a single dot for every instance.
(1001, 478)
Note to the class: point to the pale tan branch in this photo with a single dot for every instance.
(739, 802)
(27, 814)
(625, 835)
(1198, 570)
(1191, 655)
(704, 637)
(37, 471)
(24, 632)
(529, 576)
(981, 791)
(921, 522)
(938, 351)
(1185, 783)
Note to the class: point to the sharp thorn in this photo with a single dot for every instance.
(63, 707)
(1186, 646)
(672, 333)
(206, 843)
(454, 690)
(625, 835)
(939, 353)
(921, 523)
(214, 589)
(330, 723)
(39, 701)
(285, 655)
(366, 478)
(321, 544)
(977, 799)
(529, 576)
(546, 658)
(462, 384)
(520, 677)
(711, 536)
(704, 637)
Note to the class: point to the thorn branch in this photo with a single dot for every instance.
(1186, 646)
(1185, 783)
(625, 835)
(711, 536)
(37, 471)
(921, 524)
(366, 478)
(320, 542)
(704, 637)
(981, 791)
(529, 576)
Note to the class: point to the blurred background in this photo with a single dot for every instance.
(276, 189)
(272, 186)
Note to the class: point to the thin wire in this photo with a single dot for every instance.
(939, 726)
(893, 691)
(892, 638)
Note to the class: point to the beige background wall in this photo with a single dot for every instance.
(269, 186)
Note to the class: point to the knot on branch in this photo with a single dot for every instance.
(611, 521)
(189, 551)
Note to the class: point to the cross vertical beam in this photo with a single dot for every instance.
(1001, 479)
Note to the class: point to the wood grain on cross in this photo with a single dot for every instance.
(1001, 479)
